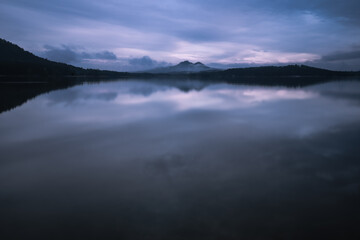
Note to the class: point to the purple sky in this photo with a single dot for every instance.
(131, 35)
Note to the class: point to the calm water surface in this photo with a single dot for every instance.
(182, 160)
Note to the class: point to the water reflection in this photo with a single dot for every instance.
(183, 160)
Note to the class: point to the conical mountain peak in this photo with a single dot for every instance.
(184, 67)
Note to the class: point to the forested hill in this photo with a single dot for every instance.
(16, 61)
(275, 71)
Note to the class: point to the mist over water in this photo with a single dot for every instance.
(183, 160)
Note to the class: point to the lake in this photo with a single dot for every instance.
(181, 159)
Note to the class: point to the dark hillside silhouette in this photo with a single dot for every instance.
(13, 95)
(24, 76)
(272, 71)
(16, 61)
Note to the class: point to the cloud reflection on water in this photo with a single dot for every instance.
(174, 160)
(266, 108)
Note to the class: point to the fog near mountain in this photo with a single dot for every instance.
(16, 61)
(183, 67)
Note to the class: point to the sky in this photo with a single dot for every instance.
(134, 35)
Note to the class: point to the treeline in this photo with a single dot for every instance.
(16, 61)
(52, 69)
(272, 71)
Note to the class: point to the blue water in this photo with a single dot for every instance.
(183, 160)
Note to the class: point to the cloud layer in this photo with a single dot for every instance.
(105, 60)
(246, 32)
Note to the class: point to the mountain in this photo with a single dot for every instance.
(290, 70)
(183, 67)
(16, 61)
(272, 71)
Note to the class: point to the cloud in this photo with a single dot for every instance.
(344, 10)
(104, 59)
(145, 62)
(63, 54)
(172, 31)
(68, 54)
(344, 60)
(105, 55)
(337, 56)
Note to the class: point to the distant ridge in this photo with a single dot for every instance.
(16, 61)
(13, 53)
(22, 67)
(183, 67)
(272, 71)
